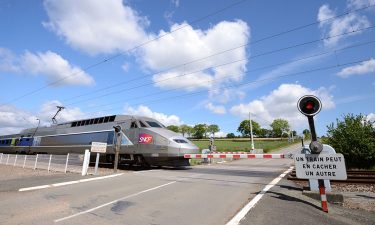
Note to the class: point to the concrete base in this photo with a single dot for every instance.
(335, 198)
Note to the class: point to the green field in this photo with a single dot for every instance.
(238, 145)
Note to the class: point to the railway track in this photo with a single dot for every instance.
(354, 177)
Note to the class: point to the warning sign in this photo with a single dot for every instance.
(320, 166)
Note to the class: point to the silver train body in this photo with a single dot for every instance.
(150, 142)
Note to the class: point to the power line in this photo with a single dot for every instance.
(248, 83)
(249, 71)
(222, 52)
(252, 57)
(85, 69)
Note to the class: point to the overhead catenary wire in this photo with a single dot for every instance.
(251, 57)
(85, 69)
(221, 52)
(247, 83)
(249, 71)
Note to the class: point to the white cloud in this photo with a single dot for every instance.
(362, 68)
(96, 26)
(161, 117)
(14, 119)
(188, 45)
(218, 109)
(357, 4)
(371, 117)
(55, 68)
(8, 61)
(281, 103)
(220, 134)
(344, 24)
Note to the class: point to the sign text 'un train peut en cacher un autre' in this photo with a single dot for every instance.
(320, 166)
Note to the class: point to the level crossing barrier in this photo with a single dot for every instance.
(238, 156)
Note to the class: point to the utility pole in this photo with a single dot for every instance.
(117, 146)
(251, 132)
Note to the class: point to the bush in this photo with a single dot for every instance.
(355, 139)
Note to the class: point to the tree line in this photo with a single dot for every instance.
(279, 128)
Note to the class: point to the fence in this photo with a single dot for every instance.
(62, 163)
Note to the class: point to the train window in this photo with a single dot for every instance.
(142, 124)
(134, 125)
(27, 139)
(74, 124)
(87, 122)
(181, 141)
(106, 119)
(112, 118)
(153, 124)
(96, 120)
(101, 120)
(91, 121)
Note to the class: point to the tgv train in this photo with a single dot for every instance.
(145, 141)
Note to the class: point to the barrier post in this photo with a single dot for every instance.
(1, 159)
(36, 161)
(86, 162)
(24, 161)
(97, 163)
(7, 160)
(49, 163)
(15, 160)
(66, 164)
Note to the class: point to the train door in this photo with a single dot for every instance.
(133, 134)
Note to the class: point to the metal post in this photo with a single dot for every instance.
(322, 188)
(7, 160)
(24, 161)
(86, 162)
(49, 163)
(66, 164)
(97, 163)
(36, 161)
(15, 160)
(117, 148)
(251, 132)
(1, 159)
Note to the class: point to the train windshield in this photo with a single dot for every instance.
(154, 124)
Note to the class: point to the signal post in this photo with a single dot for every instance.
(316, 165)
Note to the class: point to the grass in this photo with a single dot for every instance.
(238, 145)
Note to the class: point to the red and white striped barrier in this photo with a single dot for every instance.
(238, 156)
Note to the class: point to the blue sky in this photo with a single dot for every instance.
(185, 62)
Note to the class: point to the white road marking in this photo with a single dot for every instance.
(112, 202)
(241, 214)
(68, 183)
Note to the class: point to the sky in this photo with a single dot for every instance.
(185, 61)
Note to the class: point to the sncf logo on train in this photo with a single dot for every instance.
(145, 139)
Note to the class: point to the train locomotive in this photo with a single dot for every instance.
(145, 141)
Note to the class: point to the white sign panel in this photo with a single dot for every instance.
(320, 166)
(99, 147)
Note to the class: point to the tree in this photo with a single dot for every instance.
(279, 126)
(231, 135)
(173, 128)
(244, 128)
(265, 133)
(199, 131)
(213, 128)
(185, 129)
(354, 137)
(306, 134)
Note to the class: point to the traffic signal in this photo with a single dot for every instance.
(309, 105)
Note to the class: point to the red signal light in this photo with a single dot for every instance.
(309, 105)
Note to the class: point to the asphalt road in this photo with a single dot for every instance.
(208, 194)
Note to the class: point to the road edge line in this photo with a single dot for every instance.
(67, 183)
(241, 214)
